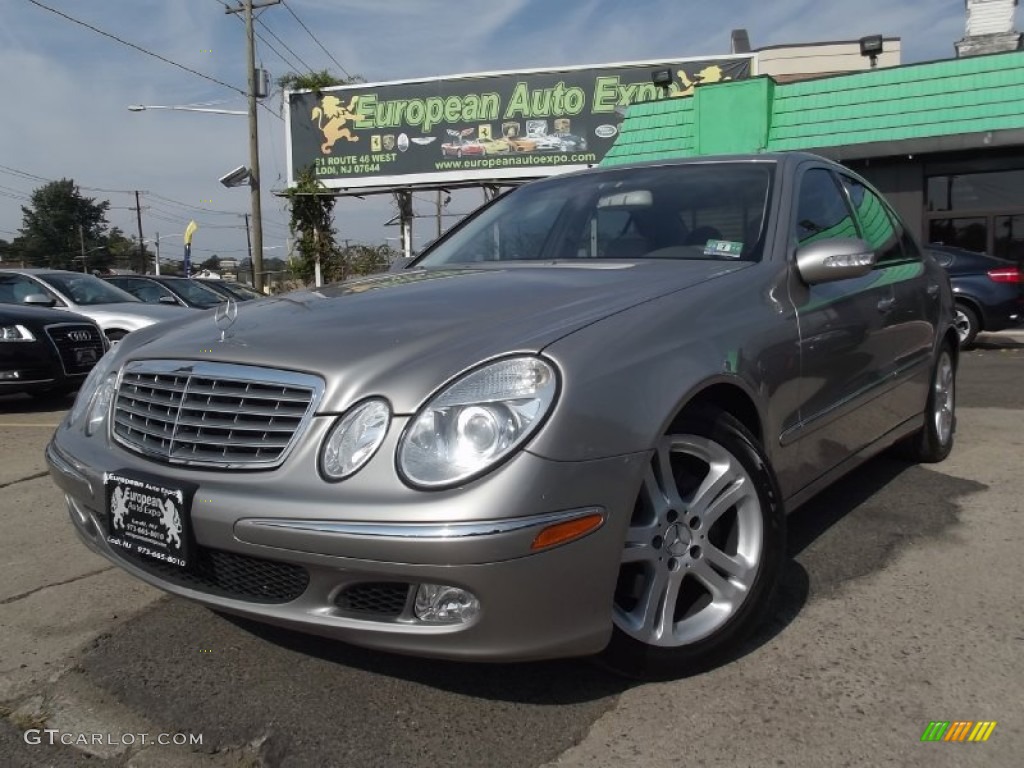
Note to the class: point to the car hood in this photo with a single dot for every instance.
(402, 335)
(22, 313)
(138, 313)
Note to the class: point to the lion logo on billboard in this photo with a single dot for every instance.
(706, 76)
(338, 116)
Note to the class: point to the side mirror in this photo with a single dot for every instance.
(39, 300)
(837, 259)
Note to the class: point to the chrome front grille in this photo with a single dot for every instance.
(212, 414)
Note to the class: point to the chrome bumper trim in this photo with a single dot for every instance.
(422, 531)
(64, 464)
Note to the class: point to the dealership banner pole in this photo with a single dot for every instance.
(404, 199)
(189, 231)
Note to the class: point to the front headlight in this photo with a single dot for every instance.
(354, 439)
(15, 333)
(477, 421)
(103, 373)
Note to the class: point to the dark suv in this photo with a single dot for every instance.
(46, 352)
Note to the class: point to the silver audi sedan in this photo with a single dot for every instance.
(574, 426)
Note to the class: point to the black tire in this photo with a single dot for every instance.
(631, 656)
(930, 445)
(967, 324)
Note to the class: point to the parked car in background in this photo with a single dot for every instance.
(232, 289)
(117, 312)
(989, 291)
(573, 426)
(167, 289)
(45, 352)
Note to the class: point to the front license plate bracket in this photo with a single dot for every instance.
(150, 516)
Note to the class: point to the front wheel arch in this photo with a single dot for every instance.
(727, 398)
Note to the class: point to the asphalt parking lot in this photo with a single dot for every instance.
(900, 605)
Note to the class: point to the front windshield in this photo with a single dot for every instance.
(87, 290)
(197, 294)
(690, 211)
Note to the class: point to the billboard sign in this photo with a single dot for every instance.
(501, 125)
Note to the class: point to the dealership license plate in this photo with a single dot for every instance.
(150, 516)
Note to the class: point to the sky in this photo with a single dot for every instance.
(67, 88)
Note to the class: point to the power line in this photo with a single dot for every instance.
(190, 207)
(303, 25)
(266, 42)
(137, 47)
(282, 42)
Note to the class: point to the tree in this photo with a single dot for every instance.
(312, 227)
(124, 251)
(212, 263)
(314, 81)
(368, 259)
(58, 222)
(312, 204)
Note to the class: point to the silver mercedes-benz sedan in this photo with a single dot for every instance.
(574, 426)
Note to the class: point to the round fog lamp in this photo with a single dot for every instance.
(442, 604)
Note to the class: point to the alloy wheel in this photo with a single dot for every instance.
(944, 398)
(694, 544)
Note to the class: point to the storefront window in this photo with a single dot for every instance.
(1009, 237)
(976, 191)
(971, 234)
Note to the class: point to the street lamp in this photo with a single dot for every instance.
(184, 108)
(156, 242)
(253, 172)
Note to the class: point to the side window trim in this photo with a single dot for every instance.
(795, 216)
(898, 228)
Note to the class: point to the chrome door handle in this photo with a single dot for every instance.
(885, 305)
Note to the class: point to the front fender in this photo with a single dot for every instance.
(625, 378)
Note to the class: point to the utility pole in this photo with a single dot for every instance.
(248, 240)
(81, 240)
(247, 8)
(439, 193)
(156, 270)
(142, 245)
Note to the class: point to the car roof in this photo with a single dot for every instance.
(42, 271)
(27, 312)
(781, 159)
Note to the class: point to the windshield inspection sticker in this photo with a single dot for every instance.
(723, 248)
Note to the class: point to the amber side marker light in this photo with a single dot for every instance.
(560, 533)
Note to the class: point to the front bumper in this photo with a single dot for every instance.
(308, 556)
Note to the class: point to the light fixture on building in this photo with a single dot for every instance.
(871, 46)
(662, 78)
(236, 178)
